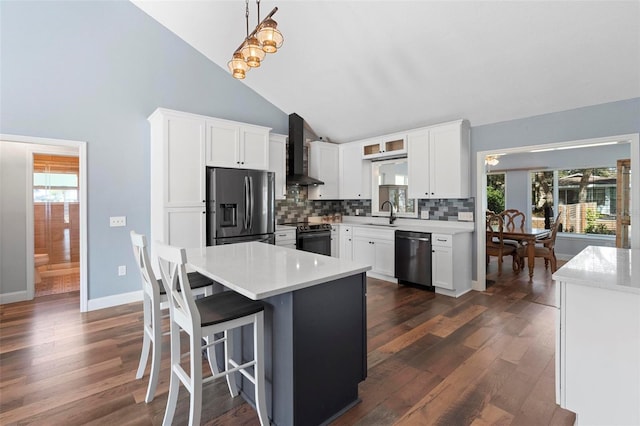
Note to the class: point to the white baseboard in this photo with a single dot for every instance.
(382, 277)
(475, 286)
(115, 300)
(16, 296)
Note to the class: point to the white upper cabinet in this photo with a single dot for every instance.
(323, 165)
(439, 161)
(388, 146)
(177, 159)
(177, 179)
(237, 145)
(355, 172)
(278, 163)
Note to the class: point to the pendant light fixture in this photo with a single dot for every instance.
(265, 38)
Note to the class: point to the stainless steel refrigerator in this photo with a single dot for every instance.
(240, 206)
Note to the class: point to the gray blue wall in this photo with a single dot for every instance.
(94, 71)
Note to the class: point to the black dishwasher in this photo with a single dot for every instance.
(413, 258)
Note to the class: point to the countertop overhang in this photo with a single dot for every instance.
(604, 267)
(259, 270)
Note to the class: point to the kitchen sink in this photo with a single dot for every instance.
(388, 225)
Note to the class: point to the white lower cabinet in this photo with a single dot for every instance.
(346, 242)
(451, 275)
(442, 261)
(286, 238)
(335, 241)
(376, 248)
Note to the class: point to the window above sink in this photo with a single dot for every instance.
(390, 182)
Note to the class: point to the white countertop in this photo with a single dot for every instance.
(259, 270)
(604, 267)
(416, 225)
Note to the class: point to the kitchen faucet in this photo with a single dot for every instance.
(392, 217)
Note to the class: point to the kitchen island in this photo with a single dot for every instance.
(315, 325)
(598, 336)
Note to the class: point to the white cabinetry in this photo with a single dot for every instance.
(177, 178)
(388, 146)
(355, 173)
(376, 248)
(346, 242)
(323, 165)
(598, 336)
(442, 261)
(286, 237)
(449, 278)
(277, 163)
(335, 241)
(438, 159)
(237, 145)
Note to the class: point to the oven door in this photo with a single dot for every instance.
(315, 242)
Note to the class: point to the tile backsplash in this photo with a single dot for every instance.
(297, 207)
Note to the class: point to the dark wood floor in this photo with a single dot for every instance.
(484, 358)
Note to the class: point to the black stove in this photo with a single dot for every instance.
(313, 237)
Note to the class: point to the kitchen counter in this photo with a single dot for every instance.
(598, 336)
(416, 225)
(315, 325)
(259, 270)
(605, 267)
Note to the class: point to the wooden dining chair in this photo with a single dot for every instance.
(208, 316)
(544, 248)
(154, 300)
(514, 221)
(495, 243)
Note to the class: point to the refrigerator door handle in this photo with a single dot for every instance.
(251, 202)
(245, 222)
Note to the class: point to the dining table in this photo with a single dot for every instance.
(528, 239)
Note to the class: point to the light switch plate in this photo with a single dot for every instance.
(465, 216)
(117, 221)
(122, 270)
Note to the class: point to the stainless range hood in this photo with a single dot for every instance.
(296, 174)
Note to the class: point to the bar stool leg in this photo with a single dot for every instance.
(195, 379)
(174, 382)
(229, 354)
(156, 354)
(258, 369)
(146, 340)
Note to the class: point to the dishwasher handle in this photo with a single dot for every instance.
(402, 237)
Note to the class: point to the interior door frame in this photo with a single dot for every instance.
(80, 148)
(481, 192)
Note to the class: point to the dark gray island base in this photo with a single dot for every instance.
(316, 351)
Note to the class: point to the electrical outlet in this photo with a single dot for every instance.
(465, 216)
(117, 221)
(424, 214)
(122, 270)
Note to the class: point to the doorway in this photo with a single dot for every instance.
(56, 224)
(481, 190)
(18, 248)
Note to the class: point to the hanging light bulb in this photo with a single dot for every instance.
(237, 66)
(269, 37)
(252, 52)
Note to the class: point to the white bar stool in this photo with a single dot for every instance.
(218, 313)
(154, 299)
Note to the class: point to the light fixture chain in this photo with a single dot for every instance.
(258, 3)
(246, 15)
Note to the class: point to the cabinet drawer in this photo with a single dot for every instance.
(284, 237)
(378, 234)
(442, 240)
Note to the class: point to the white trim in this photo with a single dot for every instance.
(481, 191)
(16, 296)
(115, 300)
(80, 148)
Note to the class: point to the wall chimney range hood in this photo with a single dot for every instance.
(296, 174)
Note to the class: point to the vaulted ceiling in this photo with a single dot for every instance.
(355, 69)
